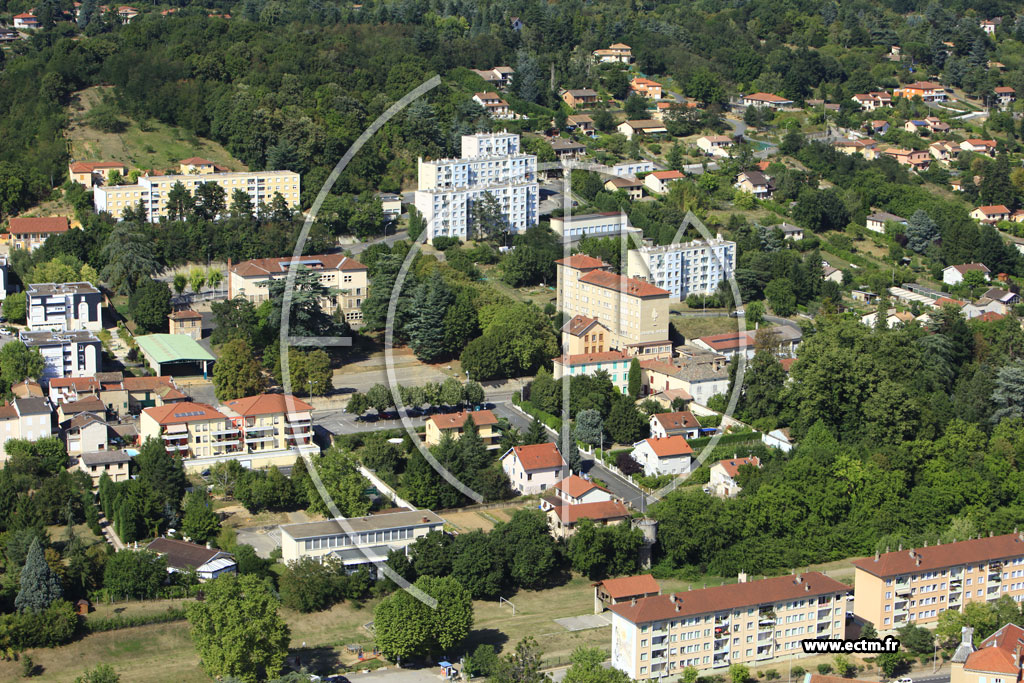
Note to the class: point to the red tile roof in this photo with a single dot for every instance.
(732, 466)
(576, 486)
(592, 358)
(721, 598)
(187, 314)
(540, 456)
(766, 97)
(269, 266)
(579, 324)
(787, 363)
(599, 511)
(19, 226)
(974, 551)
(629, 586)
(682, 419)
(978, 142)
(180, 413)
(582, 262)
(268, 404)
(993, 210)
(943, 300)
(90, 166)
(76, 383)
(964, 267)
(456, 420)
(1004, 89)
(669, 446)
(621, 283)
(668, 175)
(998, 652)
(990, 316)
(196, 161)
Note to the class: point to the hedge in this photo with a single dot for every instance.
(98, 625)
(545, 417)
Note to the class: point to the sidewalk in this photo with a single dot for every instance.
(384, 488)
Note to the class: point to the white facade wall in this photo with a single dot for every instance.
(490, 163)
(689, 268)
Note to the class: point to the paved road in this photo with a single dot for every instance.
(392, 237)
(619, 486)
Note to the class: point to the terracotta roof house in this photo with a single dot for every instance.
(723, 475)
(991, 215)
(579, 97)
(680, 423)
(562, 519)
(953, 275)
(454, 424)
(764, 99)
(641, 127)
(664, 455)
(30, 233)
(534, 468)
(624, 589)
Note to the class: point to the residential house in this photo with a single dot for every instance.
(979, 146)
(499, 76)
(723, 475)
(744, 623)
(562, 519)
(679, 423)
(26, 21)
(755, 183)
(93, 173)
(872, 101)
(617, 52)
(780, 438)
(86, 404)
(661, 109)
(917, 126)
(631, 168)
(763, 99)
(715, 145)
(336, 271)
(937, 125)
(646, 87)
(876, 221)
(832, 274)
(24, 418)
(9, 35)
(889, 587)
(186, 322)
(878, 127)
(580, 122)
(580, 97)
(30, 233)
(454, 424)
(390, 204)
(64, 306)
(926, 90)
(114, 464)
(944, 151)
(635, 312)
(583, 335)
(659, 180)
(954, 275)
(568, 149)
(1002, 296)
(990, 215)
(641, 127)
(68, 353)
(515, 23)
(790, 231)
(893, 318)
(608, 592)
(631, 186)
(496, 107)
(665, 455)
(357, 541)
(989, 25)
(867, 147)
(701, 376)
(86, 432)
(916, 159)
(127, 13)
(574, 490)
(28, 388)
(1005, 96)
(192, 431)
(999, 658)
(729, 344)
(181, 556)
(534, 468)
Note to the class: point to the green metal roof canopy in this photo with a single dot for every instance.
(172, 348)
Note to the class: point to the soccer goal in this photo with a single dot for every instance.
(507, 602)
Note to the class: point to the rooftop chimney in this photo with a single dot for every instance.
(633, 602)
(926, 544)
(798, 580)
(876, 556)
(807, 587)
(741, 577)
(426, 519)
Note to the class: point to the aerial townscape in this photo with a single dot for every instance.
(512, 340)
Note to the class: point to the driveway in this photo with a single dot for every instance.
(262, 539)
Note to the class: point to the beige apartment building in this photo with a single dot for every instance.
(635, 312)
(114, 464)
(455, 423)
(258, 431)
(152, 191)
(336, 271)
(915, 585)
(358, 540)
(743, 623)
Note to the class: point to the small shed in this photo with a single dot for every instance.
(83, 607)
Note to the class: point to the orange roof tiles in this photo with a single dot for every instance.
(973, 551)
(180, 413)
(629, 586)
(623, 284)
(268, 404)
(720, 598)
(601, 510)
(682, 419)
(269, 266)
(456, 420)
(20, 226)
(576, 486)
(669, 446)
(581, 262)
(539, 456)
(732, 466)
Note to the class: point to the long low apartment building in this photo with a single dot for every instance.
(336, 271)
(152, 191)
(605, 224)
(257, 431)
(915, 585)
(687, 268)
(358, 540)
(743, 623)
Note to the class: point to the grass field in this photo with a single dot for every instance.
(159, 146)
(485, 520)
(693, 327)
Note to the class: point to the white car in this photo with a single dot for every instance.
(905, 679)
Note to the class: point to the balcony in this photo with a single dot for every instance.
(259, 439)
(955, 598)
(232, 442)
(721, 645)
(996, 577)
(224, 432)
(764, 652)
(258, 428)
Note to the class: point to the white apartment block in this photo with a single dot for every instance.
(491, 163)
(743, 623)
(683, 269)
(64, 306)
(152, 191)
(605, 224)
(73, 353)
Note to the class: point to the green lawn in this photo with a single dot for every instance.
(158, 147)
